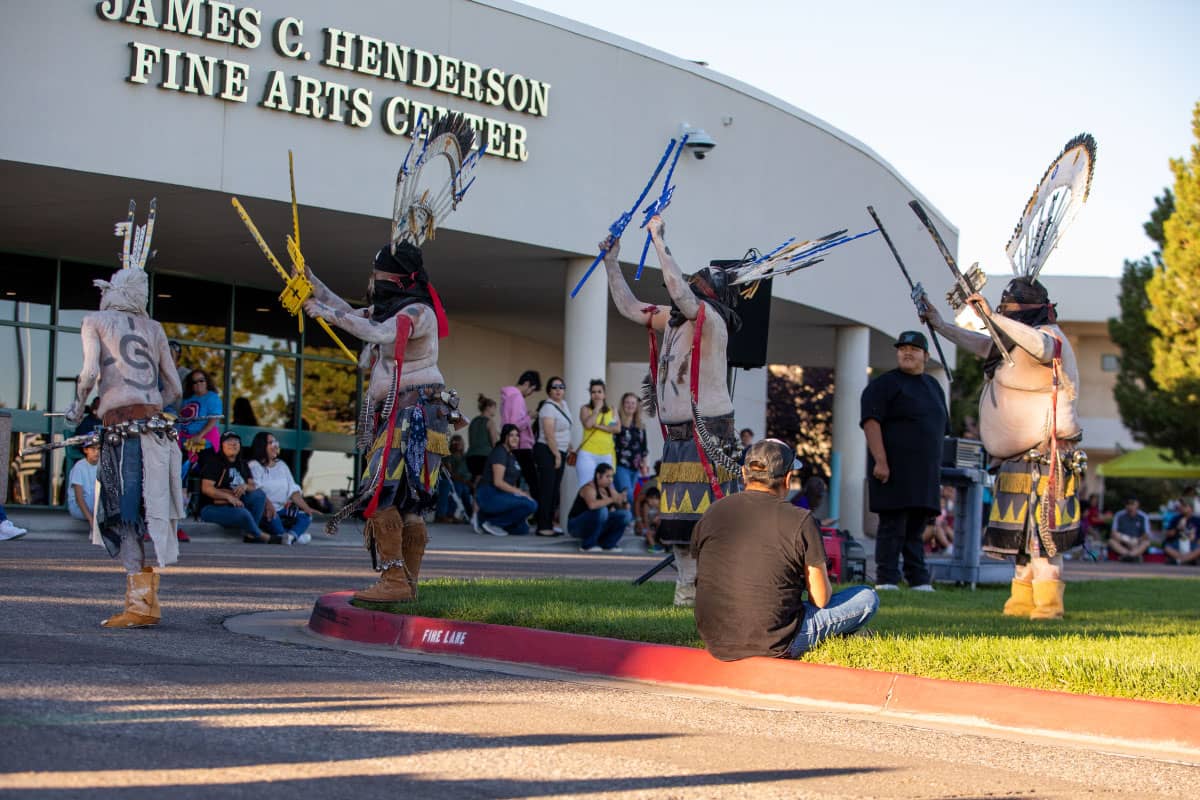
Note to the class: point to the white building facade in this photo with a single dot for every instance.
(195, 102)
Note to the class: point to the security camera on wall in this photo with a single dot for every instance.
(698, 141)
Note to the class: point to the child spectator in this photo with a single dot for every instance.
(459, 482)
(1182, 545)
(81, 485)
(647, 510)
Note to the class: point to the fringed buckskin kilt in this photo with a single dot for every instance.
(1017, 510)
(683, 484)
(421, 438)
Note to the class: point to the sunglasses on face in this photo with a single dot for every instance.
(199, 380)
(557, 386)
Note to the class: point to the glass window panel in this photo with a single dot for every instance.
(262, 388)
(329, 478)
(330, 395)
(260, 321)
(191, 310)
(24, 358)
(77, 297)
(318, 343)
(69, 361)
(26, 288)
(29, 476)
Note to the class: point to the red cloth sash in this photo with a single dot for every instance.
(403, 331)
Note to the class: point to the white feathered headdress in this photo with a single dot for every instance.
(129, 288)
(422, 201)
(1058, 197)
(136, 249)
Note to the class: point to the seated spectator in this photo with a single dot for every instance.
(1130, 536)
(646, 511)
(600, 513)
(939, 536)
(811, 496)
(7, 529)
(228, 496)
(502, 506)
(286, 515)
(81, 485)
(459, 483)
(1182, 545)
(755, 555)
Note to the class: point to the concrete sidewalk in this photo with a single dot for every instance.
(46, 525)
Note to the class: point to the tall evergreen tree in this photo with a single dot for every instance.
(1174, 290)
(1158, 387)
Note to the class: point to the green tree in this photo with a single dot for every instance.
(965, 390)
(1173, 292)
(1141, 404)
(800, 410)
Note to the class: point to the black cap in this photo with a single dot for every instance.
(914, 338)
(231, 435)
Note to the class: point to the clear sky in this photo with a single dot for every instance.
(969, 100)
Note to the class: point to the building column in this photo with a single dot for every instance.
(585, 349)
(852, 353)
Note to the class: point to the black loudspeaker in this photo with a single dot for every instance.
(748, 347)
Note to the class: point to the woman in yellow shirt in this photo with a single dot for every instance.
(599, 426)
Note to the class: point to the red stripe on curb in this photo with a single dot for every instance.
(1141, 721)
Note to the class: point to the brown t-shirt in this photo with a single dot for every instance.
(752, 550)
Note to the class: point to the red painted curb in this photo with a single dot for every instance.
(1133, 721)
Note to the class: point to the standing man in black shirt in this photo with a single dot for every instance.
(755, 555)
(904, 418)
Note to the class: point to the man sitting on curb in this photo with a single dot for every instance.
(756, 554)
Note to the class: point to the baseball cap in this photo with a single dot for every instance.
(769, 459)
(230, 435)
(914, 338)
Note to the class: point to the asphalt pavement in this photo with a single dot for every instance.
(193, 709)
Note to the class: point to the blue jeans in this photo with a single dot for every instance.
(244, 518)
(278, 526)
(624, 480)
(602, 526)
(509, 511)
(445, 506)
(848, 610)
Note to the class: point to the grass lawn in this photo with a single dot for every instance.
(1123, 638)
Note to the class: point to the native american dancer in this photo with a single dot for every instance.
(407, 411)
(139, 469)
(1028, 416)
(688, 391)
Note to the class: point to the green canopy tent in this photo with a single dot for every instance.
(1149, 462)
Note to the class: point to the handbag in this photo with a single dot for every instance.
(573, 454)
